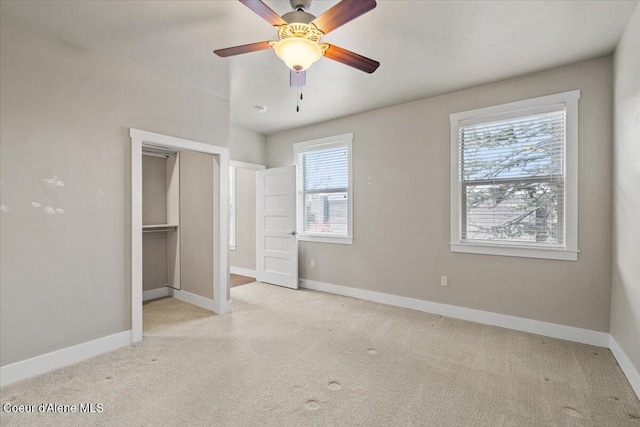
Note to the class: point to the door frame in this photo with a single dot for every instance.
(221, 301)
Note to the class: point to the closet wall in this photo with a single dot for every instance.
(188, 203)
(197, 222)
(154, 211)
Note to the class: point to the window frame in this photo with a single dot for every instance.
(569, 252)
(344, 140)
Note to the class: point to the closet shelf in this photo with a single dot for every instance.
(159, 228)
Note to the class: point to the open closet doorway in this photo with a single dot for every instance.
(180, 199)
(242, 222)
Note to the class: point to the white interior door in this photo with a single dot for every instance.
(277, 245)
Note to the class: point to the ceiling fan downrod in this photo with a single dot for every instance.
(302, 5)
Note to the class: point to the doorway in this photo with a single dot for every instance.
(220, 195)
(242, 222)
(263, 242)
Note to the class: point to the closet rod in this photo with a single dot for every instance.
(163, 155)
(150, 150)
(163, 230)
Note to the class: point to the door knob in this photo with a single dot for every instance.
(293, 233)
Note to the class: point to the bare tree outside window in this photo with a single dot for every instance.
(512, 180)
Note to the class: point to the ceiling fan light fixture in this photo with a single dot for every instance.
(299, 53)
(300, 33)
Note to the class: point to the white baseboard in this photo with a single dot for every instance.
(156, 293)
(194, 299)
(243, 272)
(625, 364)
(67, 356)
(61, 358)
(179, 294)
(570, 333)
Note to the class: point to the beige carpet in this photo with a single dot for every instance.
(296, 358)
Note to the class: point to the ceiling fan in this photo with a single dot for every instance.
(299, 34)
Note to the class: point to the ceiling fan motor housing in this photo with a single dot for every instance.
(299, 13)
(300, 4)
(298, 17)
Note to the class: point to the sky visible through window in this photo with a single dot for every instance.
(325, 193)
(326, 169)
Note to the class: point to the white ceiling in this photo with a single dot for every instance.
(425, 48)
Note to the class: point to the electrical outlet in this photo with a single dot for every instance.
(313, 263)
(443, 281)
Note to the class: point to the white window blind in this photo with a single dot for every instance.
(512, 179)
(232, 208)
(324, 205)
(512, 185)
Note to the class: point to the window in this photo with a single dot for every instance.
(514, 178)
(325, 197)
(232, 208)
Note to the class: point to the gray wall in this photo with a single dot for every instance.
(247, 146)
(625, 297)
(65, 112)
(401, 219)
(245, 254)
(154, 211)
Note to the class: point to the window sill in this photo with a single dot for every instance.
(516, 251)
(325, 239)
(232, 247)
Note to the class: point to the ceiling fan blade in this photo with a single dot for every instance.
(264, 11)
(351, 59)
(245, 48)
(342, 13)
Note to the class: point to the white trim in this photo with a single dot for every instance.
(60, 358)
(325, 239)
(221, 289)
(557, 98)
(554, 330)
(194, 299)
(326, 142)
(156, 293)
(246, 165)
(243, 272)
(233, 228)
(517, 251)
(136, 238)
(221, 302)
(625, 364)
(570, 251)
(331, 141)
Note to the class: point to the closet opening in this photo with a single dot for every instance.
(180, 213)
